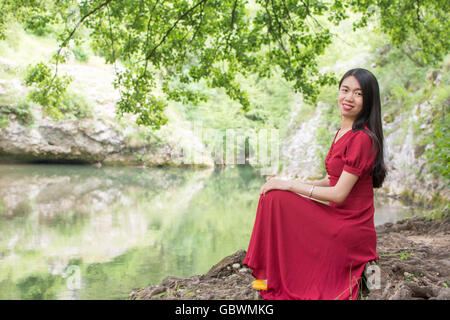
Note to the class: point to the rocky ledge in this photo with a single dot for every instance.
(414, 264)
(90, 141)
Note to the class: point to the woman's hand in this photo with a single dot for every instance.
(275, 184)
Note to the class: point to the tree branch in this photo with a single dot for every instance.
(84, 18)
(277, 37)
(227, 41)
(134, 23)
(233, 14)
(74, 30)
(147, 36)
(172, 28)
(288, 14)
(280, 25)
(199, 23)
(416, 62)
(112, 48)
(418, 12)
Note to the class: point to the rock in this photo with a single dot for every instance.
(244, 270)
(66, 140)
(220, 269)
(402, 293)
(443, 294)
(169, 281)
(425, 263)
(85, 141)
(424, 292)
(156, 291)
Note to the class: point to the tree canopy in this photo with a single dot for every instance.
(165, 46)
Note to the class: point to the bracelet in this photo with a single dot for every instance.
(311, 191)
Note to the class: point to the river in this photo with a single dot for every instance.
(81, 232)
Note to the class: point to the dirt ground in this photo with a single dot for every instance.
(414, 264)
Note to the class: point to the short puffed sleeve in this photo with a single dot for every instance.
(359, 156)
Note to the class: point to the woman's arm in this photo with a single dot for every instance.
(325, 182)
(337, 193)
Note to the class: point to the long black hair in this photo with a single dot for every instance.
(370, 116)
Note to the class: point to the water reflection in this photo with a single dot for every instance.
(77, 232)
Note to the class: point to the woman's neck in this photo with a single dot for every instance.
(346, 124)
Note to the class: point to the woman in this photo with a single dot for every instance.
(304, 249)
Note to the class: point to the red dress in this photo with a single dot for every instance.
(310, 250)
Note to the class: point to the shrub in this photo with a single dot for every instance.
(76, 106)
(19, 107)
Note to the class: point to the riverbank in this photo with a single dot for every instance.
(414, 263)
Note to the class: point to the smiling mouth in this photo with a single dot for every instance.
(347, 106)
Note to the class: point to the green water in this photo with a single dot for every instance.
(79, 232)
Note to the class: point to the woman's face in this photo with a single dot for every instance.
(350, 99)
